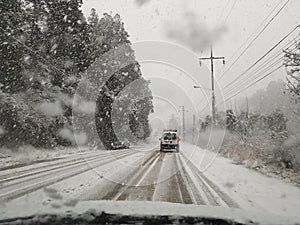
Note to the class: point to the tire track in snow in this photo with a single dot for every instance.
(45, 168)
(168, 177)
(200, 187)
(121, 190)
(40, 174)
(186, 195)
(212, 191)
(54, 177)
(172, 186)
(144, 185)
(194, 194)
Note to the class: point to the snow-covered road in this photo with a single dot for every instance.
(193, 176)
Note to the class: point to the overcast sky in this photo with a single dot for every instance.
(229, 22)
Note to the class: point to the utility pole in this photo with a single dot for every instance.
(194, 120)
(247, 108)
(183, 121)
(212, 58)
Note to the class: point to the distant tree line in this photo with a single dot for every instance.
(45, 47)
(245, 123)
(268, 127)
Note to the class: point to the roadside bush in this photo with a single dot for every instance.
(291, 152)
(22, 124)
(258, 141)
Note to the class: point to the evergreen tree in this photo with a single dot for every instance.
(292, 63)
(206, 123)
(93, 19)
(276, 121)
(11, 47)
(112, 33)
(67, 38)
(230, 120)
(44, 50)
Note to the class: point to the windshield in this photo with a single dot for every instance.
(146, 108)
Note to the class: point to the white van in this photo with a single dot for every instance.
(169, 140)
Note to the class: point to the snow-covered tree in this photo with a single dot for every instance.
(230, 120)
(292, 64)
(11, 46)
(110, 34)
(45, 47)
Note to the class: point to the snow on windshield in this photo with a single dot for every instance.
(50, 109)
(168, 103)
(2, 131)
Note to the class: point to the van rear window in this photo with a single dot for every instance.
(170, 136)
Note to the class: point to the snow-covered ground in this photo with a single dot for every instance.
(27, 155)
(210, 184)
(250, 189)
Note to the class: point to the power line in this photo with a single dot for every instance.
(230, 11)
(265, 63)
(262, 57)
(223, 11)
(254, 31)
(257, 75)
(259, 78)
(255, 38)
(250, 85)
(260, 69)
